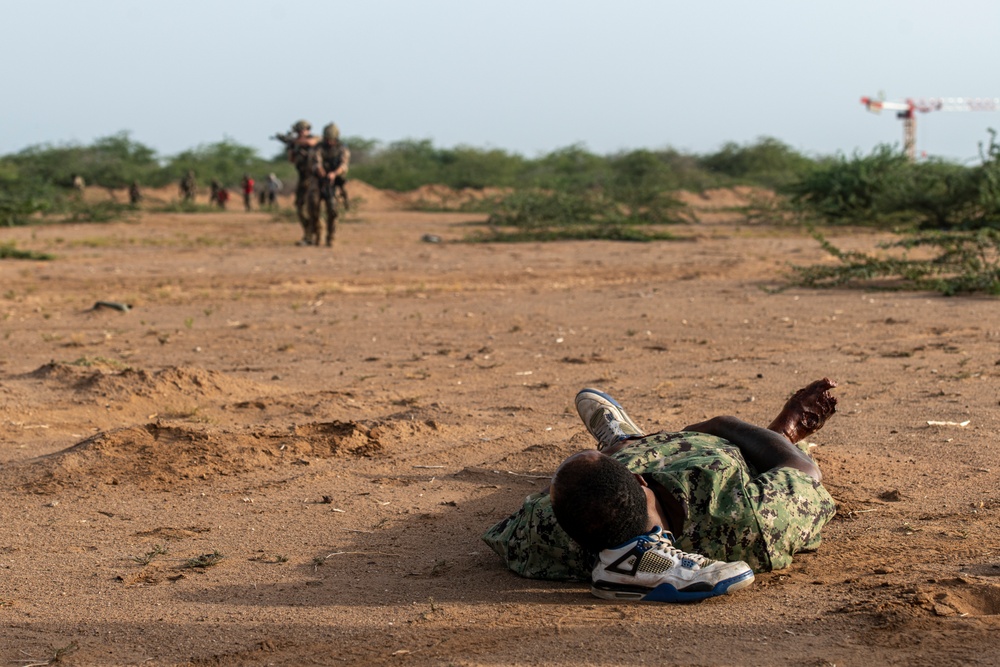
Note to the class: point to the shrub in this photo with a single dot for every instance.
(10, 251)
(538, 215)
(111, 162)
(965, 262)
(767, 162)
(21, 198)
(225, 161)
(885, 188)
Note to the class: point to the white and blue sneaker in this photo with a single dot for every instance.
(605, 418)
(651, 569)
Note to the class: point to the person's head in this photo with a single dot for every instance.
(331, 133)
(598, 501)
(302, 128)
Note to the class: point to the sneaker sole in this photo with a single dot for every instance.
(668, 593)
(610, 401)
(600, 394)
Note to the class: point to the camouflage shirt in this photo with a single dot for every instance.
(330, 157)
(731, 511)
(303, 157)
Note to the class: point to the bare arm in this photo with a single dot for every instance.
(762, 448)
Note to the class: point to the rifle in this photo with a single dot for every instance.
(300, 154)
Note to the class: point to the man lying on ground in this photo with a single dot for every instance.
(675, 516)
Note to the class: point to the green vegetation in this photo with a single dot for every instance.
(36, 184)
(111, 162)
(945, 213)
(947, 216)
(536, 215)
(767, 163)
(204, 561)
(10, 251)
(147, 558)
(960, 262)
(884, 189)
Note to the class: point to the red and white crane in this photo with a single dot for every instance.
(906, 111)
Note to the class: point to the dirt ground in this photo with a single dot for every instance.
(286, 456)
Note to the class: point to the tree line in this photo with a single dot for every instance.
(634, 186)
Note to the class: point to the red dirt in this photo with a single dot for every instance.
(341, 425)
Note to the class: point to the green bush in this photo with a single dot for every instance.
(768, 162)
(885, 188)
(854, 190)
(20, 200)
(546, 215)
(407, 165)
(10, 251)
(224, 161)
(965, 262)
(111, 162)
(639, 183)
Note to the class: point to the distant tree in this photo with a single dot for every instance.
(572, 168)
(116, 161)
(766, 162)
(225, 161)
(111, 162)
(362, 149)
(20, 197)
(642, 182)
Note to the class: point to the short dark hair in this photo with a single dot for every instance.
(598, 501)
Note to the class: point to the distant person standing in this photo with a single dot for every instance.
(332, 161)
(247, 185)
(188, 186)
(301, 154)
(213, 191)
(134, 195)
(272, 188)
(222, 197)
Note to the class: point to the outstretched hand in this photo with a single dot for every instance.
(806, 411)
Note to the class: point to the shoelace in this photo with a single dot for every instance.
(609, 430)
(664, 543)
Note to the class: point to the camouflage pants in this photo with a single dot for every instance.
(307, 196)
(736, 515)
(327, 200)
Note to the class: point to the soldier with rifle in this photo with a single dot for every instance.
(332, 161)
(301, 149)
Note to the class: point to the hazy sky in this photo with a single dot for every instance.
(527, 76)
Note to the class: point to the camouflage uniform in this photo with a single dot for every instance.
(330, 156)
(732, 511)
(134, 194)
(303, 156)
(188, 186)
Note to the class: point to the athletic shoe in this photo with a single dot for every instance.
(604, 418)
(650, 568)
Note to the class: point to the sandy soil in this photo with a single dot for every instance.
(285, 455)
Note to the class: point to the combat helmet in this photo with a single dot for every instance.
(331, 132)
(301, 126)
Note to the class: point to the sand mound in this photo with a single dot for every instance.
(157, 457)
(168, 381)
(718, 199)
(424, 197)
(130, 383)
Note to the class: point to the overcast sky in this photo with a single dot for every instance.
(527, 76)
